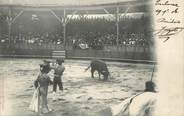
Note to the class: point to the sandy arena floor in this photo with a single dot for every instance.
(82, 96)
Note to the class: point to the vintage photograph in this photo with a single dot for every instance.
(78, 57)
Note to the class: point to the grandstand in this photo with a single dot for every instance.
(118, 30)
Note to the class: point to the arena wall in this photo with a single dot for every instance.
(121, 53)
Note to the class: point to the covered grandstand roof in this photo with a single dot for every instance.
(65, 2)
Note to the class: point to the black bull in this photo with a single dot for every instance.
(99, 66)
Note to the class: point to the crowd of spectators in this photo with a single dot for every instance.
(127, 39)
(88, 33)
(37, 38)
(97, 33)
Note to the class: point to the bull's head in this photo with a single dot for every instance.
(105, 74)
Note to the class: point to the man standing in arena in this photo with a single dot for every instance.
(58, 72)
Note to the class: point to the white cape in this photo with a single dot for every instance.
(34, 105)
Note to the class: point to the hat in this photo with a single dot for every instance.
(150, 86)
(45, 63)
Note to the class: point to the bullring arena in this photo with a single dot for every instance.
(116, 32)
(82, 95)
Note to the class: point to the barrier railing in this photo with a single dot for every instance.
(120, 52)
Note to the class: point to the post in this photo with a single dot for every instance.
(63, 22)
(9, 19)
(9, 32)
(117, 26)
(64, 28)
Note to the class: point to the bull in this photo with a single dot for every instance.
(99, 66)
